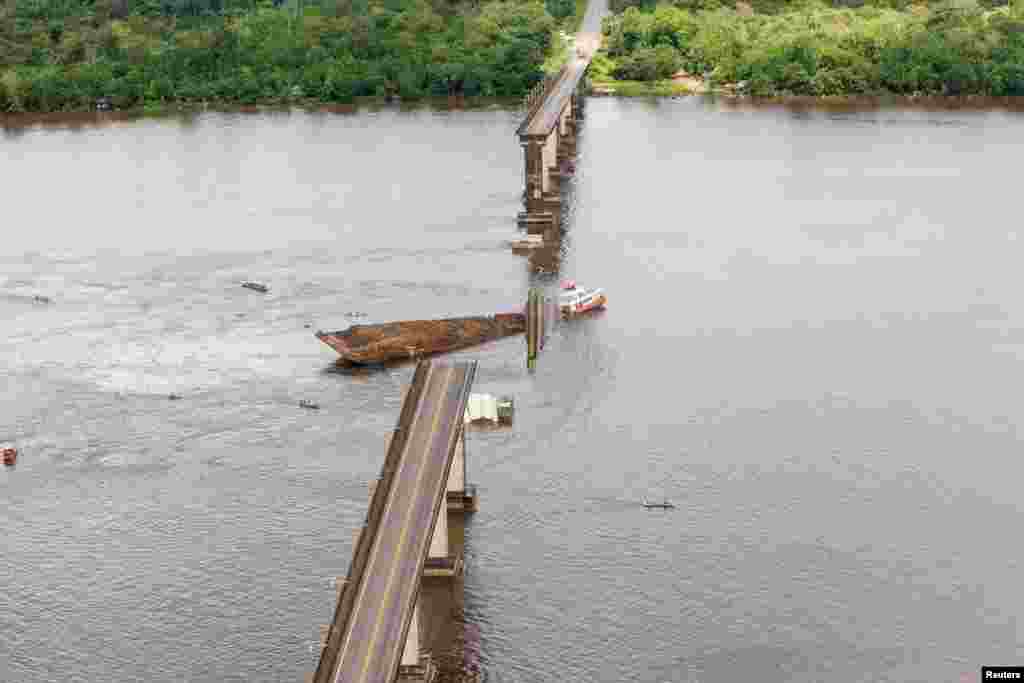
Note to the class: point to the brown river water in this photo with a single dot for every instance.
(813, 346)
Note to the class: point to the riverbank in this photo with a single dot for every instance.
(14, 121)
(835, 104)
(816, 49)
(13, 124)
(829, 103)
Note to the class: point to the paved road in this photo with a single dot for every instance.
(588, 40)
(371, 649)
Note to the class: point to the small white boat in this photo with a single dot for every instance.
(665, 505)
(573, 300)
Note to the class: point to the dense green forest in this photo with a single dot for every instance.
(67, 54)
(815, 47)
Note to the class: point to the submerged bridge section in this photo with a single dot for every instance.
(375, 635)
(548, 134)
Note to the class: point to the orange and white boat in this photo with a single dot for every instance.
(574, 300)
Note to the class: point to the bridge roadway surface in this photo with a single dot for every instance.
(373, 643)
(588, 39)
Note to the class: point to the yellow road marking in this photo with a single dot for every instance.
(376, 542)
(402, 539)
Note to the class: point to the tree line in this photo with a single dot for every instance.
(814, 47)
(67, 54)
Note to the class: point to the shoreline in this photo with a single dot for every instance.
(11, 121)
(369, 103)
(674, 90)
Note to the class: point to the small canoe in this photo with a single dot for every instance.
(256, 287)
(369, 344)
(664, 505)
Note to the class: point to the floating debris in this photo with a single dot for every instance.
(39, 298)
(308, 325)
(10, 456)
(174, 397)
(256, 286)
(304, 403)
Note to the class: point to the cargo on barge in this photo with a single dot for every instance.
(370, 344)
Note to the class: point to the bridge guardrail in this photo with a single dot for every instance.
(440, 500)
(535, 99)
(360, 555)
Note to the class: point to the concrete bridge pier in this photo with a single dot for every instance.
(462, 497)
(445, 557)
(380, 629)
(416, 666)
(548, 137)
(441, 577)
(566, 128)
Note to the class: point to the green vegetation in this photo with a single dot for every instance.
(569, 15)
(574, 22)
(558, 56)
(560, 9)
(66, 54)
(811, 47)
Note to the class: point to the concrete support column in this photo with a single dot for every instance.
(562, 131)
(526, 170)
(457, 475)
(411, 653)
(534, 156)
(416, 665)
(439, 541)
(551, 162)
(577, 106)
(461, 496)
(567, 144)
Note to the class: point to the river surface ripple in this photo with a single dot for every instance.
(811, 347)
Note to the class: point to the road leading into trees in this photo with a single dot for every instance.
(588, 40)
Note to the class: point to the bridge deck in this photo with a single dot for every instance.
(588, 39)
(374, 639)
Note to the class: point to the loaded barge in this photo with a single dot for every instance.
(370, 344)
